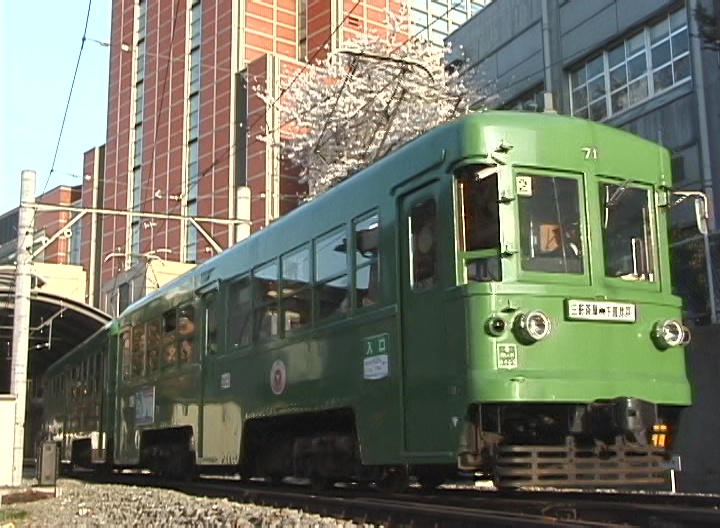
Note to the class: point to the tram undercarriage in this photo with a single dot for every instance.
(619, 442)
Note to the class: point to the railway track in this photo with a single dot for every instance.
(457, 507)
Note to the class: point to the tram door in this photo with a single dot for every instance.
(425, 246)
(208, 349)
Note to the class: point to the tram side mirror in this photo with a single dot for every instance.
(701, 214)
(701, 207)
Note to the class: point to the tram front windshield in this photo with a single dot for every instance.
(627, 232)
(550, 228)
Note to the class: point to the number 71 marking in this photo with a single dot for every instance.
(590, 152)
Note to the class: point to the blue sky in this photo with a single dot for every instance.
(39, 49)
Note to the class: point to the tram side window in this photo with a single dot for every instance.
(331, 274)
(126, 352)
(367, 261)
(423, 245)
(240, 312)
(169, 343)
(153, 345)
(266, 310)
(296, 291)
(138, 350)
(479, 223)
(186, 333)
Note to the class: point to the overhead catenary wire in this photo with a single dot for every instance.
(235, 147)
(319, 50)
(64, 120)
(163, 92)
(232, 148)
(69, 98)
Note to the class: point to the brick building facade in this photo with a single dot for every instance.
(47, 223)
(184, 116)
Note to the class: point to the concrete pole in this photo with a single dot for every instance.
(21, 318)
(548, 96)
(698, 75)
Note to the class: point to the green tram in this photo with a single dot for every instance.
(492, 298)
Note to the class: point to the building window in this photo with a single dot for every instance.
(530, 101)
(75, 239)
(137, 147)
(633, 71)
(193, 117)
(142, 17)
(302, 30)
(191, 234)
(193, 131)
(193, 175)
(195, 24)
(140, 61)
(195, 70)
(139, 101)
(135, 238)
(434, 20)
(136, 189)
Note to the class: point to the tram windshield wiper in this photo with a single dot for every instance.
(617, 194)
(613, 199)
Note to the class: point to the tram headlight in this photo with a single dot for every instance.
(534, 326)
(495, 326)
(669, 333)
(687, 336)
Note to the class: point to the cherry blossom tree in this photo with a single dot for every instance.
(364, 100)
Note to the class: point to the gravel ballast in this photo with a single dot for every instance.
(81, 504)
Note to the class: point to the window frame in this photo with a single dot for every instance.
(341, 233)
(264, 301)
(246, 281)
(415, 238)
(655, 283)
(284, 295)
(358, 303)
(580, 71)
(478, 258)
(542, 276)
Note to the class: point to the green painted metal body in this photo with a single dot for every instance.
(440, 358)
(79, 395)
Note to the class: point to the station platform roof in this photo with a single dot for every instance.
(57, 325)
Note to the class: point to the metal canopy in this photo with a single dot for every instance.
(57, 325)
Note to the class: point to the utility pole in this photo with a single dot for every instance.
(21, 317)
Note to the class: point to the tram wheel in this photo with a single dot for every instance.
(430, 482)
(393, 480)
(275, 479)
(319, 482)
